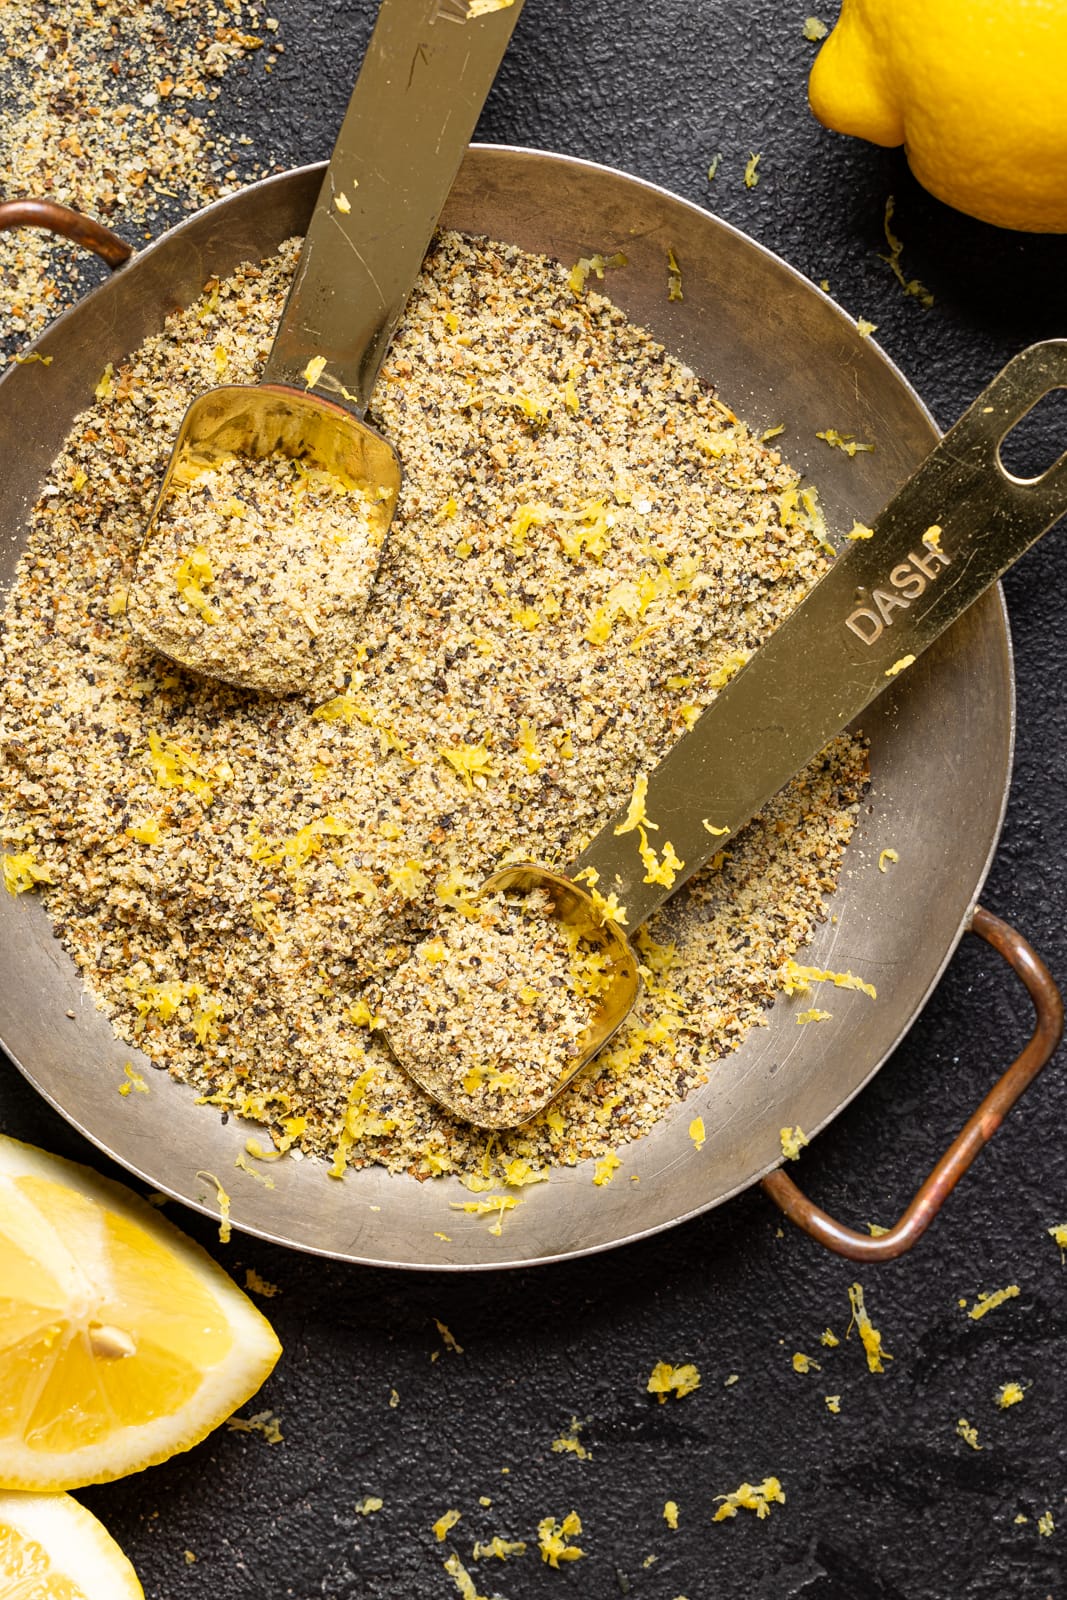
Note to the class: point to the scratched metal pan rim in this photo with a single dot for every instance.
(778, 351)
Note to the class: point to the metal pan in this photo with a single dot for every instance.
(778, 351)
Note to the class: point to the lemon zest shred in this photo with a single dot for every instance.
(148, 832)
(726, 670)
(192, 576)
(607, 908)
(23, 871)
(798, 979)
(910, 286)
(636, 814)
(518, 1173)
(674, 277)
(498, 1203)
(225, 1229)
(165, 999)
(498, 1547)
(173, 766)
(870, 1338)
(968, 1433)
(448, 1337)
(989, 1302)
(1009, 1394)
(792, 1141)
(670, 1514)
(313, 371)
(470, 761)
(408, 880)
(241, 1161)
(899, 666)
(803, 1363)
(532, 759)
(596, 264)
(859, 530)
(259, 1285)
(444, 1523)
(666, 1379)
(462, 1579)
(757, 1497)
(553, 1536)
(606, 1169)
(569, 1443)
(697, 1132)
(264, 1422)
(843, 441)
(295, 850)
(134, 1081)
(657, 870)
(752, 175)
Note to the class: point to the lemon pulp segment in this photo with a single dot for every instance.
(26, 1570)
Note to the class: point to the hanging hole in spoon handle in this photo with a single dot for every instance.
(1038, 440)
(973, 1137)
(1013, 398)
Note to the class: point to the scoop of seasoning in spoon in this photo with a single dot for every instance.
(258, 569)
(488, 1014)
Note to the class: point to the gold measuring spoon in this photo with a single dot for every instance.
(266, 592)
(957, 524)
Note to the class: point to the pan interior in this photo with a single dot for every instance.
(777, 351)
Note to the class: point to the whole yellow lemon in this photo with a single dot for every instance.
(975, 91)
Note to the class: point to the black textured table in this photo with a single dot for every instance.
(884, 1499)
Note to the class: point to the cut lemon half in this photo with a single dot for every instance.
(121, 1341)
(51, 1548)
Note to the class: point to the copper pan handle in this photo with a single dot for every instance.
(55, 218)
(977, 1132)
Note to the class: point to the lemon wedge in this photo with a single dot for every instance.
(51, 1548)
(121, 1341)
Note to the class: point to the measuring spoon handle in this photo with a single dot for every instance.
(959, 522)
(428, 68)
